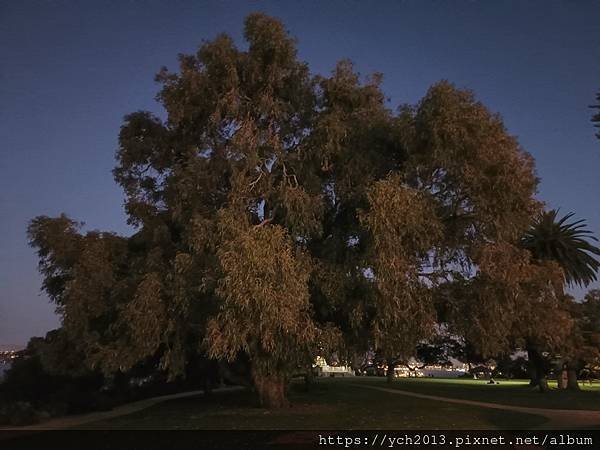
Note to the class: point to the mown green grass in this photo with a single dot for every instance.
(507, 392)
(330, 404)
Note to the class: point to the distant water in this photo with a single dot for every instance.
(3, 368)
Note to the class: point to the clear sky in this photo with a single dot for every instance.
(70, 71)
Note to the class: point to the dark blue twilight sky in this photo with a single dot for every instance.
(70, 70)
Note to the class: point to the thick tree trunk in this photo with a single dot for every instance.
(271, 390)
(532, 369)
(309, 377)
(470, 369)
(572, 383)
(211, 375)
(537, 370)
(390, 370)
(207, 386)
(561, 379)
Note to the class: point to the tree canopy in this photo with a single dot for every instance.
(278, 212)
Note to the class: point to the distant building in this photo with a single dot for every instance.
(325, 370)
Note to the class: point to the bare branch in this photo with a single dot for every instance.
(253, 183)
(264, 222)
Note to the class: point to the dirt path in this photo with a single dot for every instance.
(61, 423)
(557, 418)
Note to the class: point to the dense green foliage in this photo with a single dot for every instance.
(279, 213)
(48, 379)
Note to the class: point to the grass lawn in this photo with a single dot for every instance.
(330, 404)
(508, 392)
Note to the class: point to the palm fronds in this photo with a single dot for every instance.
(566, 243)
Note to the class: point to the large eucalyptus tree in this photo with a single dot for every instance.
(279, 213)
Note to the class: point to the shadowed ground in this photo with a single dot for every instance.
(331, 404)
(359, 403)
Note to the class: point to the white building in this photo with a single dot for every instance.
(325, 370)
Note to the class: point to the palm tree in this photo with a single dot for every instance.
(567, 244)
(596, 117)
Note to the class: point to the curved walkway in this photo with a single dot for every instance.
(557, 418)
(61, 423)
